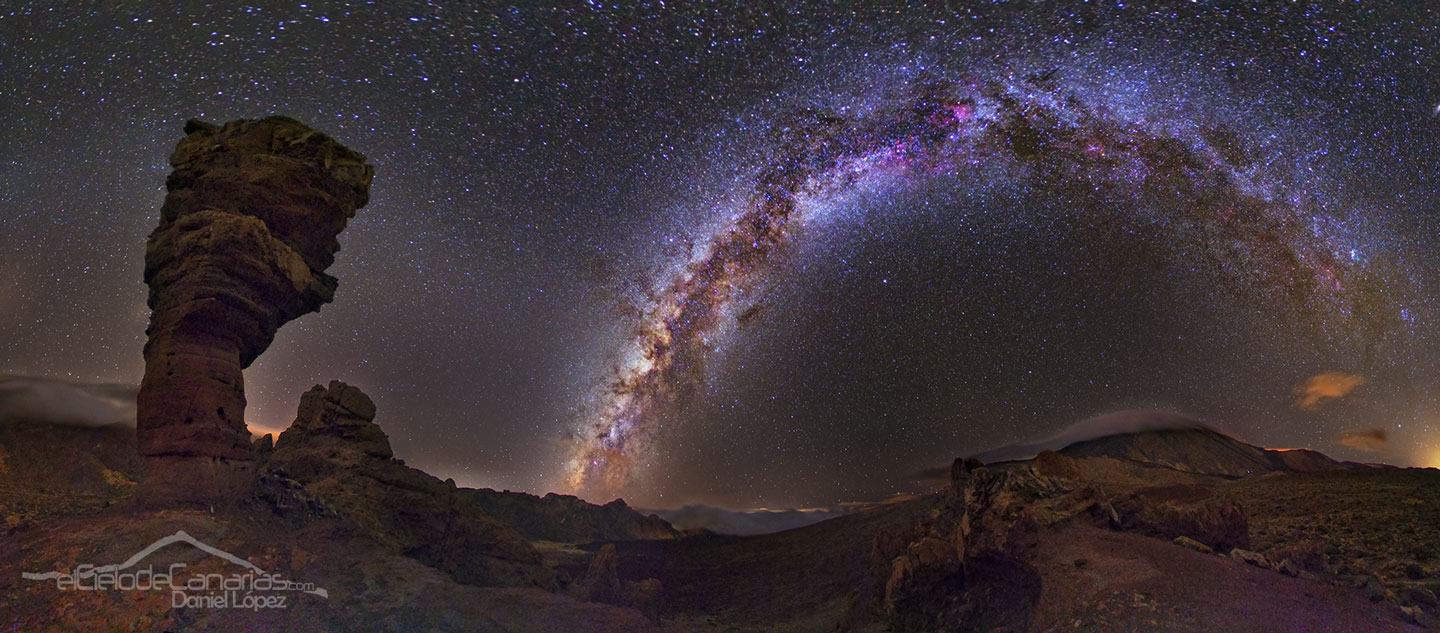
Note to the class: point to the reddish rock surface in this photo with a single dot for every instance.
(400, 550)
(342, 459)
(247, 230)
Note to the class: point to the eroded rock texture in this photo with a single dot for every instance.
(342, 459)
(970, 564)
(247, 230)
(967, 567)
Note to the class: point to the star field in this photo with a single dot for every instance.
(956, 229)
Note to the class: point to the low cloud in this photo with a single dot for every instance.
(1116, 423)
(1368, 440)
(34, 399)
(1105, 425)
(1321, 389)
(68, 403)
(939, 474)
(750, 522)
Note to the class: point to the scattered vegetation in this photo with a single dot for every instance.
(1363, 524)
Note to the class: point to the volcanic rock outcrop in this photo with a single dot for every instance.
(342, 460)
(970, 564)
(601, 583)
(247, 230)
(966, 566)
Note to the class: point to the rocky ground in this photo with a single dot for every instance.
(1378, 529)
(394, 548)
(1057, 543)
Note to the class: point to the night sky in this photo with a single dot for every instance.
(755, 255)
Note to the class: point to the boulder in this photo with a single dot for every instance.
(1285, 566)
(1415, 595)
(1250, 558)
(1416, 615)
(601, 582)
(342, 416)
(1190, 543)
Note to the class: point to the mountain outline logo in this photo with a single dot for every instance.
(253, 588)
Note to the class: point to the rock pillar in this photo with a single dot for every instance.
(248, 227)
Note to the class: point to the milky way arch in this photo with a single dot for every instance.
(1200, 185)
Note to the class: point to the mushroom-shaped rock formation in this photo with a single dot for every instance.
(247, 230)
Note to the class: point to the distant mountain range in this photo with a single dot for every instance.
(1168, 439)
(1201, 451)
(1109, 424)
(749, 522)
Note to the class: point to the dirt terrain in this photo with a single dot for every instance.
(1057, 543)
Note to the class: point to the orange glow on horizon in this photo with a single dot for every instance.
(258, 430)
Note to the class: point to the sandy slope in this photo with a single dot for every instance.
(1099, 580)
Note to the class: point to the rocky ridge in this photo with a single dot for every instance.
(569, 519)
(1201, 451)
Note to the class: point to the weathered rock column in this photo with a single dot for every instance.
(247, 230)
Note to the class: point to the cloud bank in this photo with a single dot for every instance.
(67, 403)
(1128, 421)
(748, 522)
